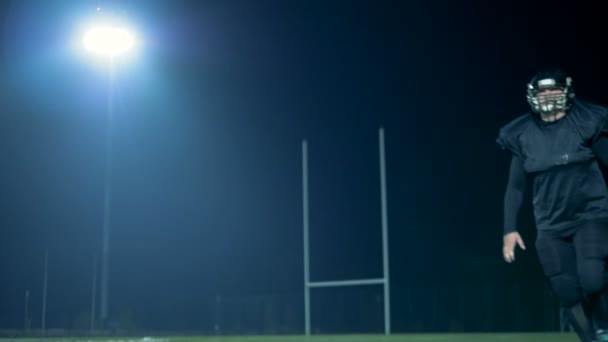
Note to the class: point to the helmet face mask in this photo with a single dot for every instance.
(550, 93)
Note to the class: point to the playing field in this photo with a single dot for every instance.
(329, 338)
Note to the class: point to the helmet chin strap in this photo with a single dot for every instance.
(552, 115)
(548, 108)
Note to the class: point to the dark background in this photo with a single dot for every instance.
(209, 116)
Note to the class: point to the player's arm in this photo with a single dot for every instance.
(513, 202)
(514, 194)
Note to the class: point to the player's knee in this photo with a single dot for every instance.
(592, 284)
(591, 274)
(568, 300)
(566, 289)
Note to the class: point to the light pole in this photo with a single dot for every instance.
(108, 42)
(26, 318)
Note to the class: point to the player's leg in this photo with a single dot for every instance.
(591, 242)
(558, 260)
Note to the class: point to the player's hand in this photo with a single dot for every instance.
(508, 245)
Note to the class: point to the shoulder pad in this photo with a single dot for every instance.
(508, 135)
(589, 118)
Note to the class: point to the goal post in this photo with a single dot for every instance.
(308, 285)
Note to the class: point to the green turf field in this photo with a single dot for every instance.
(329, 338)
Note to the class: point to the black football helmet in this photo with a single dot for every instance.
(550, 103)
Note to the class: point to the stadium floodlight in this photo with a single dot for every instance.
(108, 41)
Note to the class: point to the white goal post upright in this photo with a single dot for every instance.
(385, 248)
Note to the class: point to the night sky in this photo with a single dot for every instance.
(209, 117)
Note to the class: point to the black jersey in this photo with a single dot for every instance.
(567, 182)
